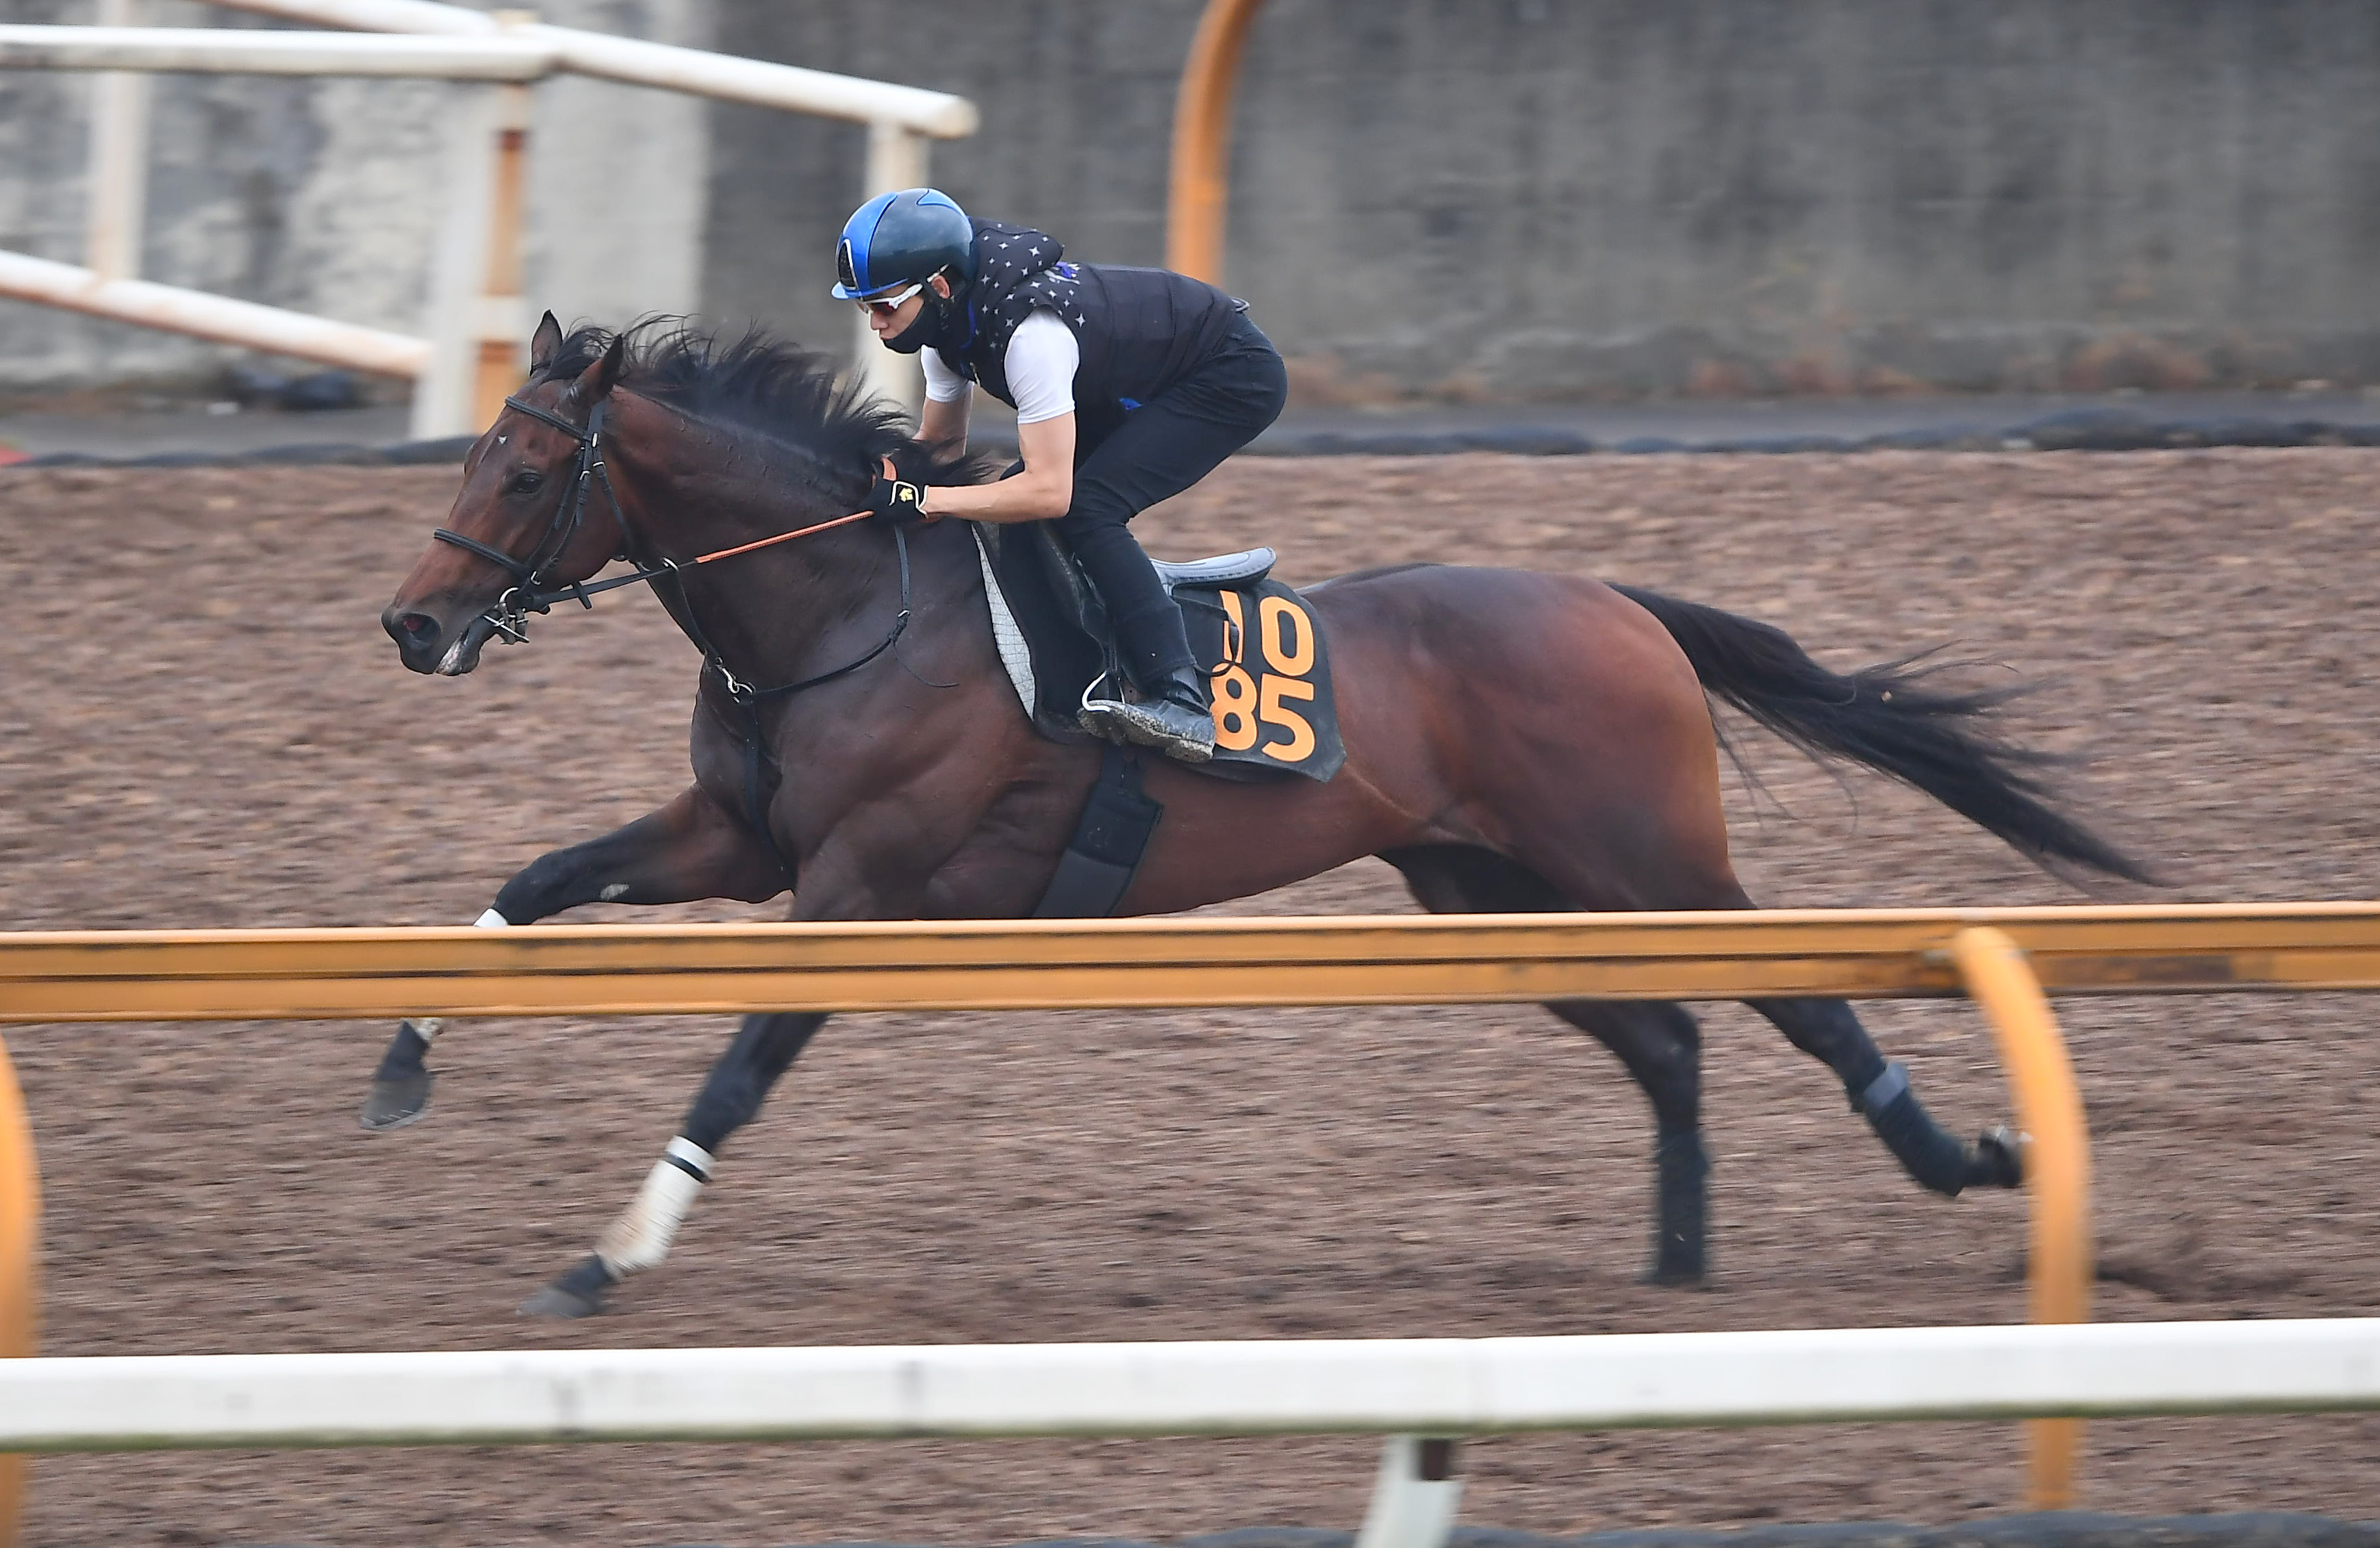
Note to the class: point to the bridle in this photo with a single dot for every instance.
(507, 617)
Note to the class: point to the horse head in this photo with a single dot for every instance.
(524, 524)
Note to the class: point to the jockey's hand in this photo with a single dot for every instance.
(895, 499)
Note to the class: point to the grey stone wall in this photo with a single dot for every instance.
(1484, 199)
(1585, 198)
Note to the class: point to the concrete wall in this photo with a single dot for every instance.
(1557, 198)
(1463, 198)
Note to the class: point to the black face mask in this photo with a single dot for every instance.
(944, 325)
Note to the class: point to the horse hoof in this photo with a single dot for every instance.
(1998, 1159)
(578, 1293)
(1673, 1276)
(395, 1103)
(561, 1305)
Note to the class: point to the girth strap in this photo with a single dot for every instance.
(1110, 837)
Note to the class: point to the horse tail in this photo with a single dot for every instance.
(1891, 718)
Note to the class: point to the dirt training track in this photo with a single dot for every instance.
(201, 724)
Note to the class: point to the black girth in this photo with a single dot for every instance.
(529, 593)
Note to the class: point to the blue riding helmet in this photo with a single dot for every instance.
(904, 238)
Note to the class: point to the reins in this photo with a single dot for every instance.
(508, 616)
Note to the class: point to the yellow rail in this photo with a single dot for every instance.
(2057, 1169)
(2007, 959)
(20, 1217)
(1056, 964)
(1199, 191)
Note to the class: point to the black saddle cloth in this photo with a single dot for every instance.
(1259, 644)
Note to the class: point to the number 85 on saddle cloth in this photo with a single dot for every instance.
(1268, 678)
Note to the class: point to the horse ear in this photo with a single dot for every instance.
(596, 382)
(544, 343)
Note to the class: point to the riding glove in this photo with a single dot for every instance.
(898, 500)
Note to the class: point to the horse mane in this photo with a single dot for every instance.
(775, 387)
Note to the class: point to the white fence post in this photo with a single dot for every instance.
(442, 396)
(116, 191)
(1414, 1498)
(896, 158)
(500, 320)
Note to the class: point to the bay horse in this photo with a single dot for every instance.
(1515, 742)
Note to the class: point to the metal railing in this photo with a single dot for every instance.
(470, 354)
(2006, 958)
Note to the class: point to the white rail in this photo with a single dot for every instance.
(639, 63)
(899, 118)
(257, 52)
(478, 317)
(212, 317)
(1442, 1387)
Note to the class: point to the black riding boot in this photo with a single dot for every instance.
(1168, 711)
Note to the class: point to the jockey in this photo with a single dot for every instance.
(1130, 385)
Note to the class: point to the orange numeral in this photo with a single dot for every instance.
(1275, 713)
(1235, 628)
(1274, 614)
(1235, 696)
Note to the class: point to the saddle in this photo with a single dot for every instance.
(1259, 644)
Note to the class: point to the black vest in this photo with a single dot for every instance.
(1139, 330)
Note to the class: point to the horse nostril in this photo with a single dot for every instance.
(415, 629)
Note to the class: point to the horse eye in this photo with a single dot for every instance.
(522, 483)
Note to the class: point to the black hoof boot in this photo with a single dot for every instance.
(1927, 1151)
(1997, 1159)
(1682, 1170)
(400, 1088)
(578, 1293)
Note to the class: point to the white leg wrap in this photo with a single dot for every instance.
(641, 1236)
(492, 920)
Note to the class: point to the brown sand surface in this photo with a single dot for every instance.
(200, 725)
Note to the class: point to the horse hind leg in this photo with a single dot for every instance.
(1881, 1091)
(1658, 1041)
(641, 1236)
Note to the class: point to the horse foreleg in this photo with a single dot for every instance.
(1827, 1031)
(1658, 1040)
(689, 850)
(640, 1237)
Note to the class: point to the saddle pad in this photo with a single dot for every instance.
(1260, 644)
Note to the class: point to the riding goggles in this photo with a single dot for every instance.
(886, 302)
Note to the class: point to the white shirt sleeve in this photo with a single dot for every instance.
(1042, 356)
(943, 384)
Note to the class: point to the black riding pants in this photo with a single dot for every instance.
(1163, 447)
